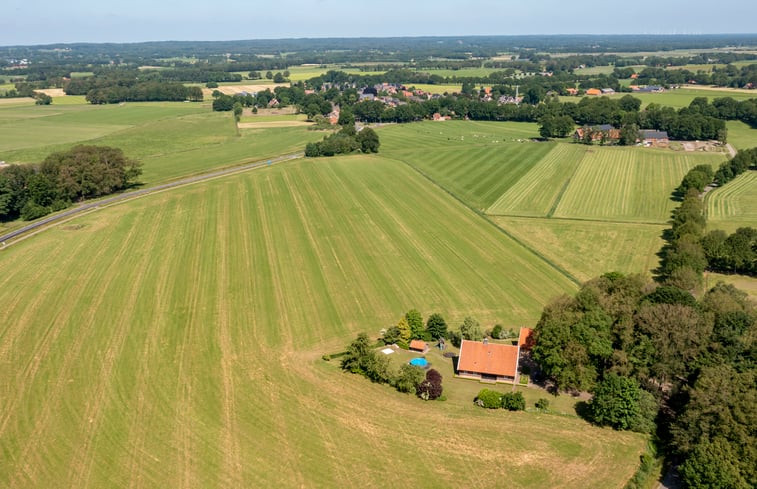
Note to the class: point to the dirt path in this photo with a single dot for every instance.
(63, 216)
(731, 150)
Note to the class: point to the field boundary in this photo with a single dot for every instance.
(485, 217)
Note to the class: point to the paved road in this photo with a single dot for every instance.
(145, 191)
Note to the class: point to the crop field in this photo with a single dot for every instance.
(734, 205)
(171, 140)
(589, 248)
(440, 89)
(741, 135)
(175, 341)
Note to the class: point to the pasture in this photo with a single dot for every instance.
(171, 139)
(741, 135)
(734, 205)
(588, 248)
(175, 341)
(627, 184)
(677, 98)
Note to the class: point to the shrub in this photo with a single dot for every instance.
(431, 388)
(409, 378)
(513, 401)
(542, 404)
(489, 399)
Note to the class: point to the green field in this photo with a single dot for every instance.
(677, 98)
(538, 192)
(588, 248)
(627, 184)
(175, 341)
(171, 139)
(734, 205)
(741, 135)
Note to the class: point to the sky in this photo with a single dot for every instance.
(45, 22)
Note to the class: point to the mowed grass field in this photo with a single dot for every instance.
(741, 135)
(170, 139)
(733, 205)
(175, 341)
(587, 249)
(588, 210)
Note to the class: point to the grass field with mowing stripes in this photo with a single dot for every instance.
(734, 205)
(175, 341)
(628, 184)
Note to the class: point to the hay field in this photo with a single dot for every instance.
(175, 341)
(588, 248)
(627, 184)
(741, 135)
(171, 139)
(734, 205)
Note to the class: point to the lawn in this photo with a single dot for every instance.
(175, 341)
(734, 205)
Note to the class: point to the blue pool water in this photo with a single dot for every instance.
(419, 362)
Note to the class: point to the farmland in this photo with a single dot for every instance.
(586, 209)
(734, 205)
(171, 139)
(587, 248)
(119, 370)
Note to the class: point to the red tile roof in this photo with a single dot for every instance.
(526, 338)
(488, 358)
(417, 345)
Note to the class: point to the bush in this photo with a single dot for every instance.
(32, 211)
(431, 388)
(409, 378)
(542, 404)
(489, 399)
(513, 401)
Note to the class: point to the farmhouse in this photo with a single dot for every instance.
(607, 91)
(488, 361)
(593, 91)
(572, 91)
(419, 345)
(650, 137)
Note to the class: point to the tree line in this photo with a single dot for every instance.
(83, 172)
(688, 251)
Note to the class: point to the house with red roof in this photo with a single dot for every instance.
(493, 362)
(526, 338)
(419, 346)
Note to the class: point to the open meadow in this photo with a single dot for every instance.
(170, 139)
(587, 210)
(734, 205)
(175, 341)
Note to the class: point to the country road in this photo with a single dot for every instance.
(142, 192)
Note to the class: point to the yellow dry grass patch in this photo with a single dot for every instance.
(52, 92)
(272, 124)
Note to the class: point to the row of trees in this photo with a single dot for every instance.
(31, 191)
(689, 251)
(411, 327)
(657, 359)
(345, 141)
(362, 358)
(144, 92)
